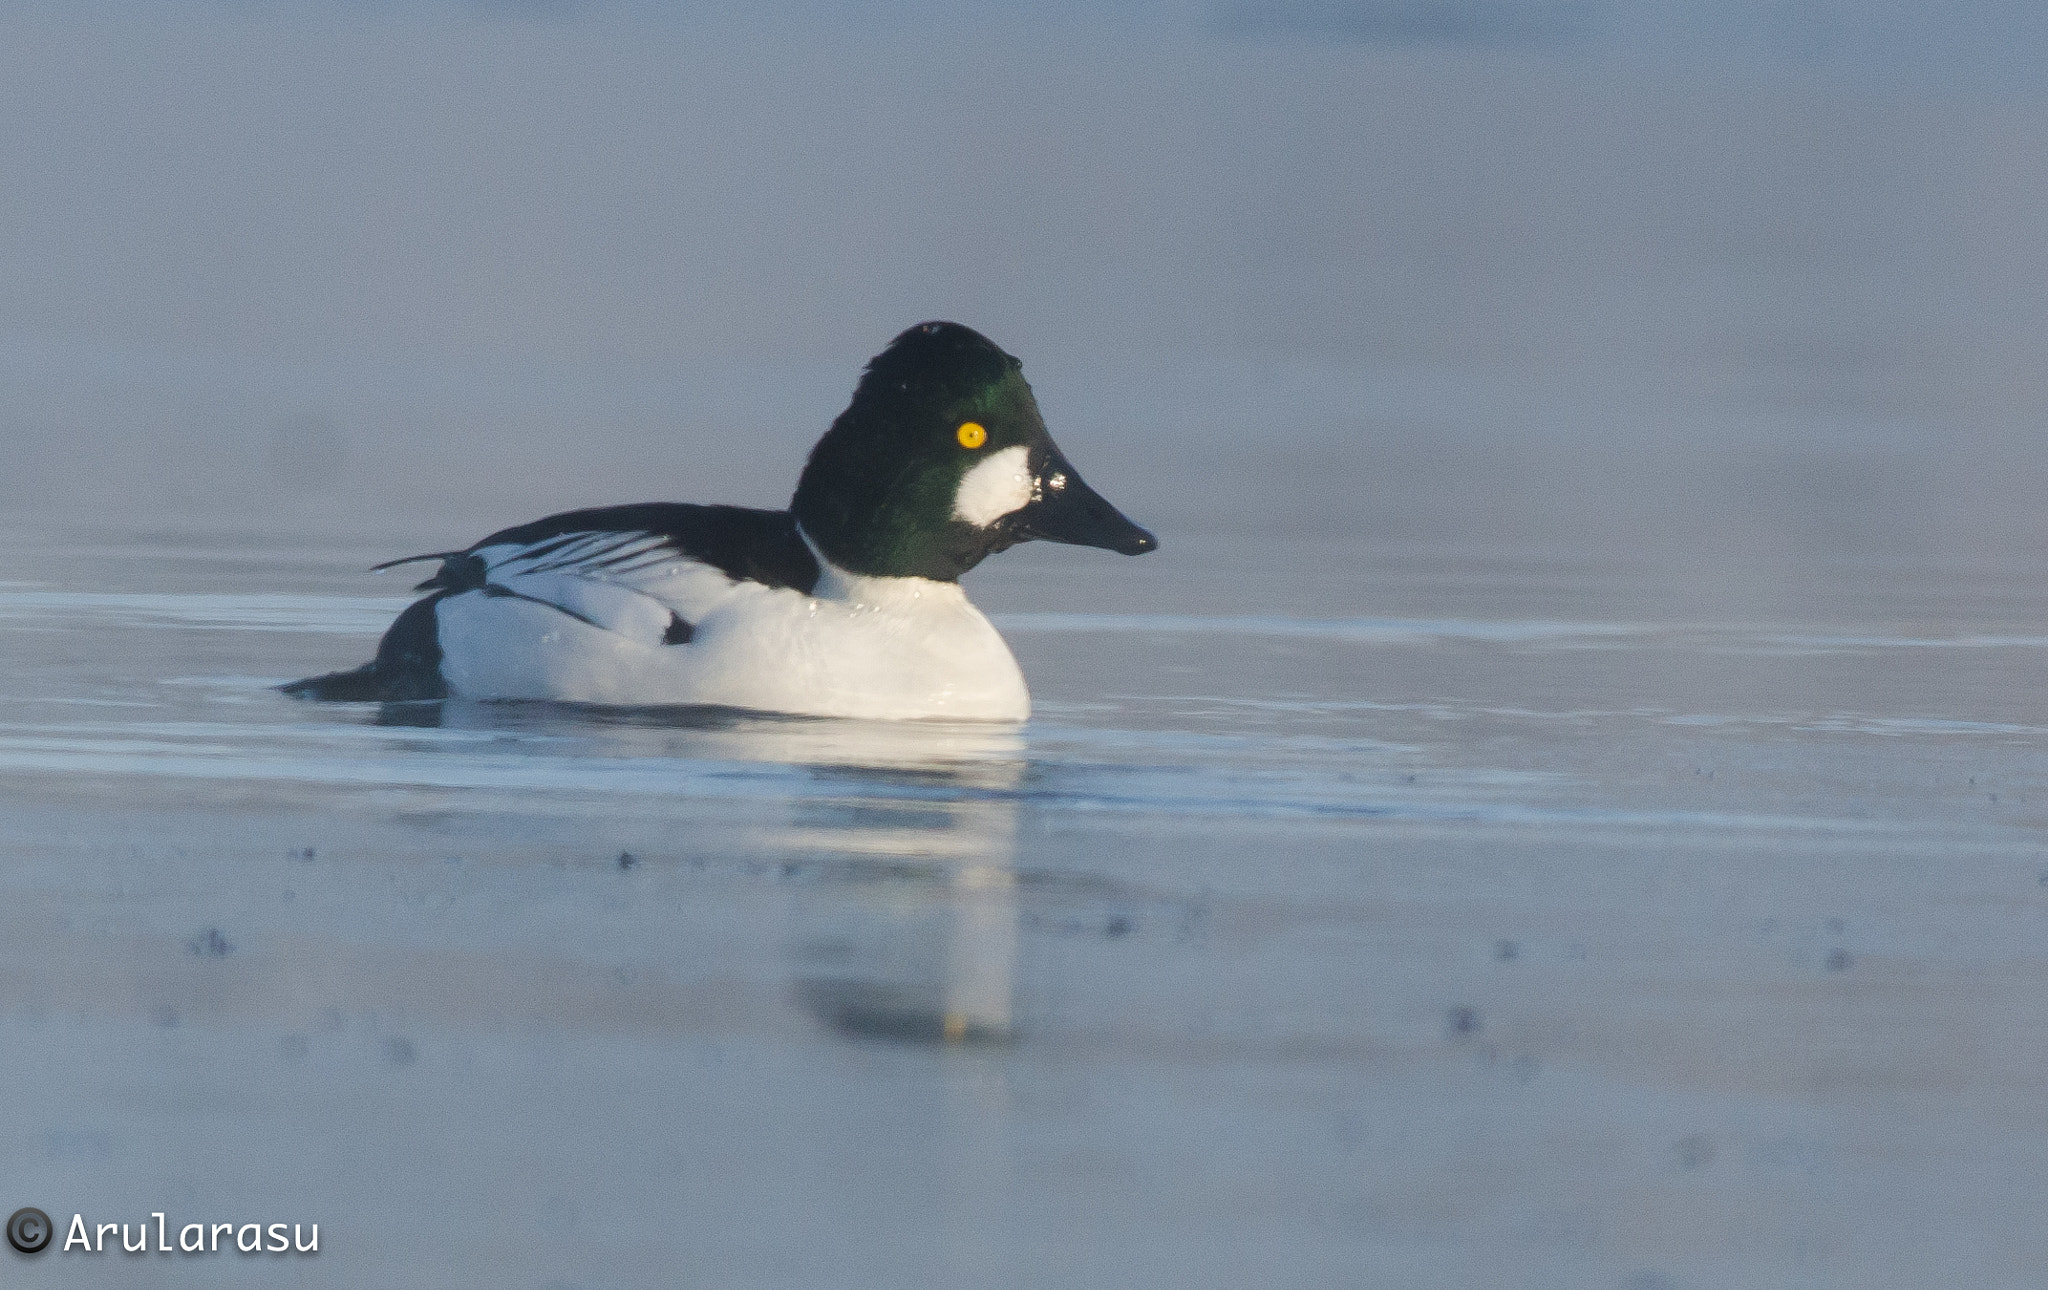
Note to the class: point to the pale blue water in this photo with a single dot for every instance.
(1424, 949)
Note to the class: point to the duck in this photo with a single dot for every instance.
(846, 604)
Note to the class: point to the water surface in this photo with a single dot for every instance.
(1398, 943)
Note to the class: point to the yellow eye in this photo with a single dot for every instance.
(971, 434)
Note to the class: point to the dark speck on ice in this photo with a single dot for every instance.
(210, 944)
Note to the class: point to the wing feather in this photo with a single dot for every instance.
(634, 570)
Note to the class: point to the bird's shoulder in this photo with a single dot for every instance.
(625, 544)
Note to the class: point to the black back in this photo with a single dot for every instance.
(744, 544)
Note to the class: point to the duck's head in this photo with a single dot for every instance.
(942, 459)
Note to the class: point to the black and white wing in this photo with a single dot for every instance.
(646, 572)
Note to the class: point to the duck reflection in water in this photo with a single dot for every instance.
(909, 933)
(900, 851)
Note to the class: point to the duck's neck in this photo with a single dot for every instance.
(835, 583)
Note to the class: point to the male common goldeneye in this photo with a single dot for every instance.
(848, 604)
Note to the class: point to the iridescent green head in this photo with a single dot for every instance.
(942, 459)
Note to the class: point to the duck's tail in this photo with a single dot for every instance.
(407, 667)
(359, 685)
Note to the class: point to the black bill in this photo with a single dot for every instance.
(1065, 509)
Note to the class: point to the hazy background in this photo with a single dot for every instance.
(1744, 286)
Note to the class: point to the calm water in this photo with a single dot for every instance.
(1394, 943)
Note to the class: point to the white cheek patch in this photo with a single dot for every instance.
(994, 488)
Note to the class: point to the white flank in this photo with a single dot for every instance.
(859, 647)
(994, 488)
